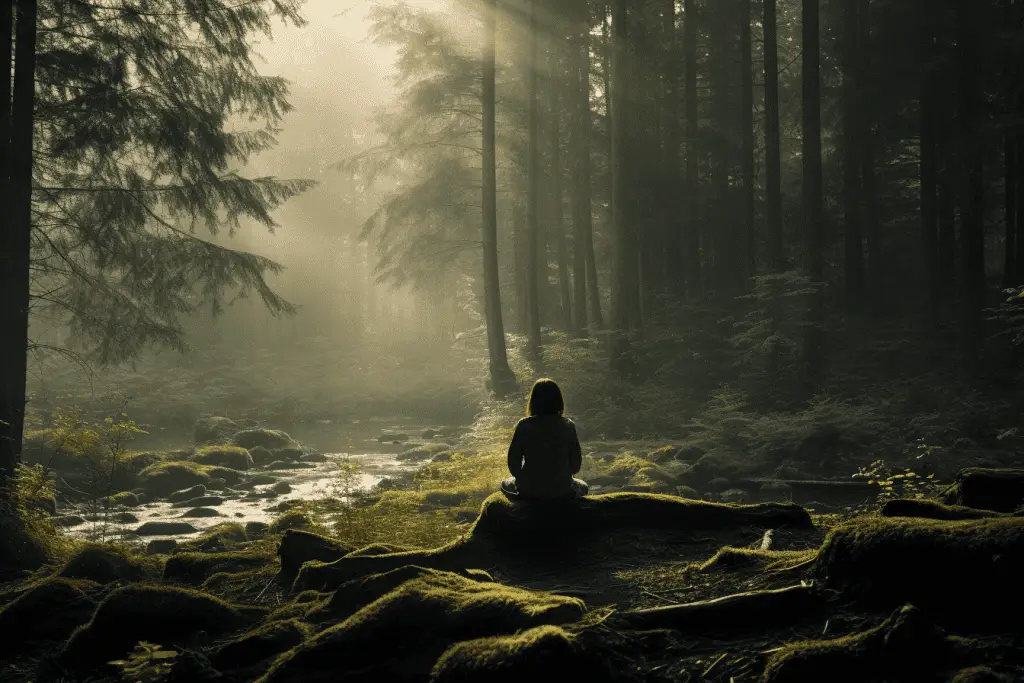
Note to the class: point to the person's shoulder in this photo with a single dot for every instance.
(569, 423)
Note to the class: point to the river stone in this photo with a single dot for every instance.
(68, 521)
(281, 487)
(201, 512)
(202, 501)
(254, 530)
(188, 494)
(165, 529)
(313, 457)
(288, 453)
(268, 438)
(214, 429)
(261, 456)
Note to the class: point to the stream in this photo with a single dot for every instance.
(367, 446)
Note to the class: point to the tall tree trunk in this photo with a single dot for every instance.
(580, 150)
(854, 249)
(14, 278)
(947, 211)
(812, 188)
(557, 211)
(928, 169)
(870, 198)
(672, 216)
(533, 193)
(1011, 170)
(972, 200)
(773, 144)
(724, 240)
(749, 265)
(624, 262)
(692, 222)
(522, 273)
(502, 380)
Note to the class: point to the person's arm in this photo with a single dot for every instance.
(515, 453)
(576, 454)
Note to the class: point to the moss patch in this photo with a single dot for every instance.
(541, 653)
(163, 479)
(195, 568)
(234, 457)
(266, 641)
(362, 648)
(270, 439)
(106, 564)
(961, 569)
(218, 538)
(48, 611)
(157, 614)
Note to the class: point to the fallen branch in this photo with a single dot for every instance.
(730, 613)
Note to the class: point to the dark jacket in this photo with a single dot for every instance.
(543, 456)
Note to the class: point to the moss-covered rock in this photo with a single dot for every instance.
(156, 614)
(200, 513)
(214, 430)
(261, 456)
(353, 595)
(999, 490)
(535, 523)
(905, 647)
(48, 611)
(964, 570)
(123, 499)
(104, 564)
(194, 568)
(168, 528)
(225, 536)
(422, 452)
(290, 520)
(270, 439)
(362, 648)
(298, 547)
(930, 509)
(541, 653)
(234, 457)
(191, 492)
(165, 478)
(266, 641)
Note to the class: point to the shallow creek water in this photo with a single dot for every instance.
(374, 460)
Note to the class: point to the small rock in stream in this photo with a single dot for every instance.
(187, 494)
(288, 465)
(68, 521)
(281, 487)
(165, 529)
(201, 512)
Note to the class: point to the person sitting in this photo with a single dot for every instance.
(545, 450)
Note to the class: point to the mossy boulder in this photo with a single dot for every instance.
(930, 509)
(165, 478)
(204, 501)
(104, 564)
(194, 568)
(536, 654)
(270, 439)
(363, 647)
(959, 570)
(905, 647)
(266, 641)
(48, 611)
(298, 547)
(219, 538)
(200, 513)
(214, 429)
(169, 528)
(261, 456)
(21, 548)
(234, 457)
(290, 520)
(353, 595)
(422, 452)
(163, 615)
(998, 490)
(187, 494)
(123, 499)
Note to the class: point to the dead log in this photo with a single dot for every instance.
(729, 614)
(930, 509)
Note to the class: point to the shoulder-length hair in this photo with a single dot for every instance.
(545, 398)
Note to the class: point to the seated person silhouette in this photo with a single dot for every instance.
(545, 450)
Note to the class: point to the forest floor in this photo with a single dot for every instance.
(436, 577)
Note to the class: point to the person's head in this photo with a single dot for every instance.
(545, 398)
